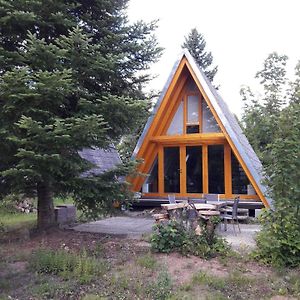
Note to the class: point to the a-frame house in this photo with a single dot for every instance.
(193, 145)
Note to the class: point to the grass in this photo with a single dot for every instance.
(147, 261)
(65, 264)
(12, 221)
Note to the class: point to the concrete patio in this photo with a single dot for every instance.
(135, 227)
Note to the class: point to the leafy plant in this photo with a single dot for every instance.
(168, 237)
(173, 236)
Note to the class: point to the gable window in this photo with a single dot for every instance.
(209, 123)
(192, 122)
(176, 126)
(151, 184)
(192, 115)
(240, 180)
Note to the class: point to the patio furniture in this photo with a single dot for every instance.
(171, 198)
(211, 197)
(231, 213)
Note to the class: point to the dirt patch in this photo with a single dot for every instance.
(183, 268)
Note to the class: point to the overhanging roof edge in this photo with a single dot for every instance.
(156, 106)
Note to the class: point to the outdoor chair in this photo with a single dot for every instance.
(172, 199)
(231, 213)
(211, 197)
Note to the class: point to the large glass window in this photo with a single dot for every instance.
(240, 180)
(209, 123)
(176, 126)
(171, 170)
(216, 169)
(194, 169)
(151, 184)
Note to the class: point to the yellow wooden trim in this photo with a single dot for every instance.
(182, 169)
(195, 138)
(227, 170)
(199, 196)
(160, 169)
(157, 120)
(248, 173)
(205, 168)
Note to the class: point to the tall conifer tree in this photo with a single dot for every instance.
(69, 79)
(196, 45)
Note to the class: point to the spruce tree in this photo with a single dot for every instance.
(196, 45)
(69, 79)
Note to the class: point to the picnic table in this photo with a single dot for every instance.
(190, 213)
(204, 210)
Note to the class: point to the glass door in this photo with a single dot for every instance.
(172, 170)
(194, 169)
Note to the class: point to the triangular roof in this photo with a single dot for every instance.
(233, 132)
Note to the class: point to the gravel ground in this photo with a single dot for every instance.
(243, 240)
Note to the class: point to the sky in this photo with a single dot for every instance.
(239, 33)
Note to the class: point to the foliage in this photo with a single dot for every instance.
(196, 45)
(67, 264)
(274, 128)
(69, 79)
(173, 236)
(279, 241)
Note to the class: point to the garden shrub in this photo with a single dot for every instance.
(278, 243)
(173, 236)
(279, 240)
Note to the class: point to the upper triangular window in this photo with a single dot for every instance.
(193, 115)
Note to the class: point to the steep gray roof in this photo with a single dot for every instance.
(103, 160)
(227, 118)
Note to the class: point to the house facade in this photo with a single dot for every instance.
(192, 144)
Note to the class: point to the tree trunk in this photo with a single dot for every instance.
(46, 216)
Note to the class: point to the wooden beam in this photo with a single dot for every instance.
(227, 170)
(183, 169)
(205, 168)
(195, 138)
(160, 169)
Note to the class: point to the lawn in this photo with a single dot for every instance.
(16, 221)
(63, 264)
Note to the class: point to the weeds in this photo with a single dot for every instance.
(66, 264)
(147, 261)
(162, 288)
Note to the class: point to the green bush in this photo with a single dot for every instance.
(173, 236)
(168, 237)
(278, 243)
(66, 264)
